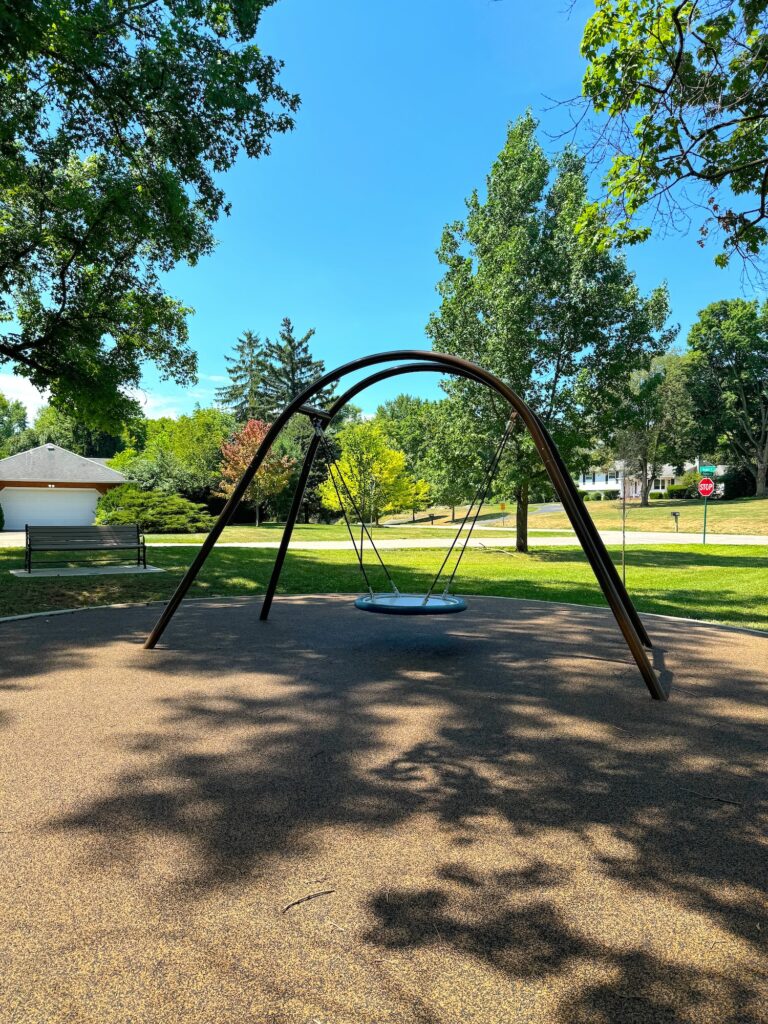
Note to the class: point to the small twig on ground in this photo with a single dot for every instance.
(706, 796)
(309, 896)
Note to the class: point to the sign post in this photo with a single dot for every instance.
(706, 489)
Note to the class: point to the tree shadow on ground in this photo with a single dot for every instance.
(538, 724)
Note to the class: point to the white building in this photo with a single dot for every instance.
(613, 479)
(50, 486)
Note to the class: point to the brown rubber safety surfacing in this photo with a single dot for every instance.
(503, 827)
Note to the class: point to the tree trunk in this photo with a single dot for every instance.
(521, 496)
(645, 488)
(258, 510)
(761, 478)
(453, 513)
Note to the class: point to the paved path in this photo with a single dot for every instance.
(384, 543)
(494, 821)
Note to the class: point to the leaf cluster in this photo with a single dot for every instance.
(679, 89)
(116, 120)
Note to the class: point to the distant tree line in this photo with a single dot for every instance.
(525, 294)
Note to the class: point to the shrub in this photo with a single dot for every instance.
(678, 491)
(658, 495)
(738, 482)
(584, 495)
(610, 495)
(153, 511)
(595, 496)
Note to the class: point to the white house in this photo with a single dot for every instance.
(612, 479)
(50, 486)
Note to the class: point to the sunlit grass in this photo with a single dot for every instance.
(718, 583)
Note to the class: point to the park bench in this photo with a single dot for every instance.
(85, 538)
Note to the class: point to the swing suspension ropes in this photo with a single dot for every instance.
(333, 472)
(479, 499)
(476, 505)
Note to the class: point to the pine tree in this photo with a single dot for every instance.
(288, 369)
(246, 369)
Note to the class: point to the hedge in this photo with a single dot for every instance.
(678, 491)
(658, 495)
(154, 511)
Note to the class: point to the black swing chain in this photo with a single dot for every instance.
(331, 464)
(480, 495)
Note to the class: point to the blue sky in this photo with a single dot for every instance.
(404, 107)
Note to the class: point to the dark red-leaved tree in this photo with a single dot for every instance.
(272, 477)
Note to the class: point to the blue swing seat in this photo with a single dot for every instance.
(411, 604)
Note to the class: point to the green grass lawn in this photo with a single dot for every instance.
(245, 534)
(720, 583)
(744, 515)
(321, 531)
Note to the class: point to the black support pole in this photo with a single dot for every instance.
(597, 541)
(293, 514)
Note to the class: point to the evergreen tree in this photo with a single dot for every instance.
(288, 369)
(243, 395)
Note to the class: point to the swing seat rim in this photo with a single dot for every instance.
(391, 603)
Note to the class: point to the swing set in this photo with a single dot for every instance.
(435, 601)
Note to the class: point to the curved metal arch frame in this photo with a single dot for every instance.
(415, 360)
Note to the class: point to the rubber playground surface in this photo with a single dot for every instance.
(341, 818)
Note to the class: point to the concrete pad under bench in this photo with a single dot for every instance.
(93, 570)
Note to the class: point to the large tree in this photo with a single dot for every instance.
(409, 425)
(116, 122)
(657, 421)
(181, 455)
(13, 421)
(679, 89)
(288, 368)
(245, 368)
(369, 476)
(557, 318)
(67, 431)
(236, 455)
(729, 382)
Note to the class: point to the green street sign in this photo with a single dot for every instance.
(707, 469)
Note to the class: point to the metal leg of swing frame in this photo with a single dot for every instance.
(601, 563)
(597, 541)
(293, 515)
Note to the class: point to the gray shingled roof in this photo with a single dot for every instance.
(51, 464)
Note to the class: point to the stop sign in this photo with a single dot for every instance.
(706, 487)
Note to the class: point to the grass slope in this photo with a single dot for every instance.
(746, 515)
(720, 583)
(307, 531)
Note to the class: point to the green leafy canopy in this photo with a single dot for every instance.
(116, 119)
(679, 90)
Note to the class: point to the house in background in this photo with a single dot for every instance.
(612, 479)
(50, 486)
